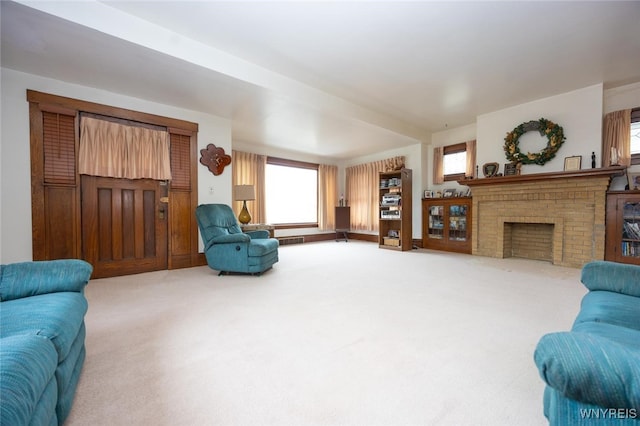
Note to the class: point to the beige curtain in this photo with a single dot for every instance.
(617, 135)
(471, 159)
(327, 196)
(438, 166)
(116, 150)
(362, 192)
(249, 169)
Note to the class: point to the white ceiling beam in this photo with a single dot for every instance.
(102, 18)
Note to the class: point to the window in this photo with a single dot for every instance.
(454, 161)
(291, 192)
(635, 136)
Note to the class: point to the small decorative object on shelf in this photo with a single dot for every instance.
(614, 157)
(490, 169)
(593, 160)
(634, 179)
(555, 139)
(510, 169)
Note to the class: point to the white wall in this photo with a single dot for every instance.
(578, 112)
(15, 174)
(623, 97)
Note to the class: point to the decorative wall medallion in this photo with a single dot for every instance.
(215, 159)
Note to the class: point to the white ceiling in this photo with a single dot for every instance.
(333, 79)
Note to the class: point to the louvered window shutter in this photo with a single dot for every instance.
(59, 148)
(180, 162)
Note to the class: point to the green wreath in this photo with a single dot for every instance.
(555, 139)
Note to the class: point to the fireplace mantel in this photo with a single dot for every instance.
(505, 180)
(558, 216)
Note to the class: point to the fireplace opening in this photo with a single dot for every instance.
(529, 241)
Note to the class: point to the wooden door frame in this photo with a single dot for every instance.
(39, 101)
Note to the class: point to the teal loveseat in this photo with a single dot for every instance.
(42, 333)
(593, 371)
(227, 248)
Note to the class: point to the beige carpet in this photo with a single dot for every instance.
(335, 334)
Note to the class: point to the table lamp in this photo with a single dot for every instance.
(244, 193)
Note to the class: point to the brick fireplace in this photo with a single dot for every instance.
(557, 217)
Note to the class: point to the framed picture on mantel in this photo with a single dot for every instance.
(634, 180)
(572, 163)
(510, 169)
(490, 169)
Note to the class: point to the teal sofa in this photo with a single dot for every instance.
(42, 333)
(227, 248)
(593, 371)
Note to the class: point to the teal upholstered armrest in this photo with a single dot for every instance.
(18, 280)
(612, 276)
(228, 238)
(231, 238)
(590, 369)
(259, 234)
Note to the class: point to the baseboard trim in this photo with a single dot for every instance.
(201, 259)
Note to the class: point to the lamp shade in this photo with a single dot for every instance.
(244, 192)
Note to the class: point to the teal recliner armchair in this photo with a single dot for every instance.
(227, 248)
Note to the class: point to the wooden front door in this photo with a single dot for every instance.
(124, 225)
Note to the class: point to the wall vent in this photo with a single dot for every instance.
(290, 240)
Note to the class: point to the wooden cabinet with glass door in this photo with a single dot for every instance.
(446, 224)
(623, 227)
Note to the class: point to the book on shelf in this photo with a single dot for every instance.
(631, 249)
(631, 230)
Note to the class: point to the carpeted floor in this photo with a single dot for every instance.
(335, 334)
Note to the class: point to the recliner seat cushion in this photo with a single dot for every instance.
(262, 247)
